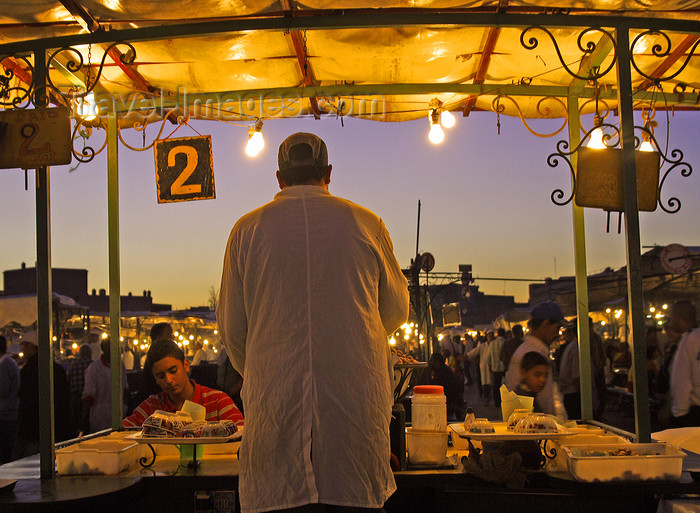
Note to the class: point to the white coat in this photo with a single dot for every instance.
(482, 351)
(310, 289)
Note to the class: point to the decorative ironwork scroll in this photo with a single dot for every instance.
(17, 95)
(84, 131)
(140, 126)
(660, 49)
(585, 44)
(542, 109)
(76, 62)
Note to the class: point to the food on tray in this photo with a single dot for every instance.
(403, 358)
(518, 413)
(163, 424)
(536, 423)
(204, 429)
(618, 452)
(482, 426)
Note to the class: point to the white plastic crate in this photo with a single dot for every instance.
(96, 457)
(654, 461)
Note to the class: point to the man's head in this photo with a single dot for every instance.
(104, 346)
(682, 316)
(85, 352)
(161, 330)
(545, 321)
(517, 331)
(303, 160)
(490, 335)
(166, 362)
(501, 332)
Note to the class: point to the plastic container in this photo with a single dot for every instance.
(560, 462)
(426, 447)
(96, 457)
(481, 426)
(648, 462)
(518, 413)
(429, 408)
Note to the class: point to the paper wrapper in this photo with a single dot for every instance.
(510, 402)
(196, 411)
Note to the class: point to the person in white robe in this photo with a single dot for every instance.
(310, 290)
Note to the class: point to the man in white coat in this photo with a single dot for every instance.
(310, 289)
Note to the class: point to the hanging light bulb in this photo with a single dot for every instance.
(436, 135)
(646, 137)
(87, 108)
(596, 140)
(646, 143)
(447, 119)
(255, 140)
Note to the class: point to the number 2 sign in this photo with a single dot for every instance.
(184, 169)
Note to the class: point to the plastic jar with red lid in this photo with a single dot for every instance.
(429, 408)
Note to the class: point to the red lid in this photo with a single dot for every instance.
(428, 389)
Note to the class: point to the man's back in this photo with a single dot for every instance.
(309, 291)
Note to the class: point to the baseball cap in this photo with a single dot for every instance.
(302, 149)
(31, 337)
(549, 310)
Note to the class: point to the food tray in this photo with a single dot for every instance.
(502, 434)
(651, 462)
(152, 440)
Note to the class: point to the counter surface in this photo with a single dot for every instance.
(169, 480)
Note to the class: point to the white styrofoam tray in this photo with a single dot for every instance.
(654, 461)
(96, 457)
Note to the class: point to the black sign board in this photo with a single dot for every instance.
(184, 169)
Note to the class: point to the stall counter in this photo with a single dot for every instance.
(170, 486)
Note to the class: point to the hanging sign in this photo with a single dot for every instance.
(184, 169)
(31, 138)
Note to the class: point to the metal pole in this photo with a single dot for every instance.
(584, 346)
(114, 278)
(635, 292)
(44, 294)
(418, 228)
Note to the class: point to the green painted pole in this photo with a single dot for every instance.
(44, 294)
(581, 273)
(635, 291)
(114, 277)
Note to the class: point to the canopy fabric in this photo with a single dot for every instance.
(350, 66)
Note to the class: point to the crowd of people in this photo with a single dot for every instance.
(82, 391)
(501, 356)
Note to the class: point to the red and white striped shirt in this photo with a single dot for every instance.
(219, 406)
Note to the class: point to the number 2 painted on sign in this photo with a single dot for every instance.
(179, 187)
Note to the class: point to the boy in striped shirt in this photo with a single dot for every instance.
(166, 363)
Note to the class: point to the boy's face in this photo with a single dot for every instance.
(536, 378)
(171, 375)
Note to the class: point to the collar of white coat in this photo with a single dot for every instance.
(298, 191)
(536, 341)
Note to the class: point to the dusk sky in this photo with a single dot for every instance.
(485, 201)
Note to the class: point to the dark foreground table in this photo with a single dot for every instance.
(167, 487)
